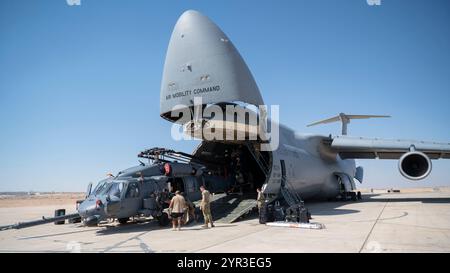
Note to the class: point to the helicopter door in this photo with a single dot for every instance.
(192, 187)
(114, 194)
(132, 201)
(176, 184)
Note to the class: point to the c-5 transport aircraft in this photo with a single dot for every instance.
(202, 61)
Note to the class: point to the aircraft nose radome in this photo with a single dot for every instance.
(195, 28)
(86, 208)
(193, 19)
(190, 16)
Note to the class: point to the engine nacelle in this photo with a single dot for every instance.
(414, 165)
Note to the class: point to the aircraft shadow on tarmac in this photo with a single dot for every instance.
(54, 234)
(324, 208)
(149, 226)
(109, 229)
(138, 226)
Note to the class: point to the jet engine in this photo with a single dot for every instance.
(414, 165)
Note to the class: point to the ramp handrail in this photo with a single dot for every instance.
(289, 194)
(259, 158)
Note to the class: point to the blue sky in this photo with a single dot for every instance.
(79, 85)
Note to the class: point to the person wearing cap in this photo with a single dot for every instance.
(177, 208)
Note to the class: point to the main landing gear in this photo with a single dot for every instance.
(345, 196)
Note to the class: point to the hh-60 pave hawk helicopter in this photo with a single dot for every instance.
(140, 191)
(143, 190)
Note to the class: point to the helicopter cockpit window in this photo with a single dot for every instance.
(116, 189)
(100, 187)
(133, 190)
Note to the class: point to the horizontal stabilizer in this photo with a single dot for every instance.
(345, 119)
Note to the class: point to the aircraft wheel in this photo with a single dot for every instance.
(359, 195)
(123, 220)
(163, 220)
(353, 195)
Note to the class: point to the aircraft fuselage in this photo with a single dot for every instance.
(310, 167)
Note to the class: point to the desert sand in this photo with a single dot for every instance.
(42, 199)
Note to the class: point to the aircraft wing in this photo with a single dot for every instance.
(361, 147)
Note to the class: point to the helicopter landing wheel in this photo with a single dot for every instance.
(163, 220)
(123, 220)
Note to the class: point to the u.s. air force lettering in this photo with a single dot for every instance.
(196, 91)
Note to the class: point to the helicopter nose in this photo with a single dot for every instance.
(92, 220)
(87, 208)
(90, 212)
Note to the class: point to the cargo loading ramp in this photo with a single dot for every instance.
(229, 208)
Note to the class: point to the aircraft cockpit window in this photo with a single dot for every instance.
(133, 190)
(116, 189)
(100, 187)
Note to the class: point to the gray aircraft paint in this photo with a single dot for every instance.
(202, 61)
(310, 170)
(201, 56)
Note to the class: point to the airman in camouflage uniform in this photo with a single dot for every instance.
(205, 207)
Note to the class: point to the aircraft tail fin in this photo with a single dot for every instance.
(345, 119)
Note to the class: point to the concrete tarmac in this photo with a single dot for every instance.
(384, 222)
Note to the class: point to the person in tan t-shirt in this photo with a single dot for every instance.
(177, 208)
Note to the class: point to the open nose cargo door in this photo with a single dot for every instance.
(202, 61)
